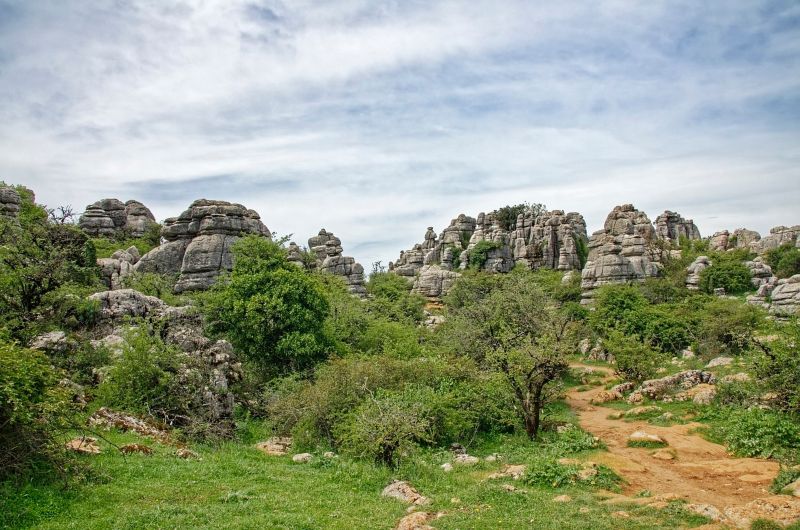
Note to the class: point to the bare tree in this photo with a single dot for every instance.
(62, 215)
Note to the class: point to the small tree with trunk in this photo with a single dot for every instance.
(515, 328)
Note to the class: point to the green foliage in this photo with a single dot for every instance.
(272, 311)
(551, 282)
(620, 308)
(34, 411)
(383, 429)
(390, 296)
(68, 307)
(635, 361)
(143, 379)
(765, 524)
(153, 284)
(106, 246)
(548, 472)
(582, 248)
(776, 365)
(455, 398)
(507, 215)
(725, 326)
(37, 258)
(784, 260)
(732, 276)
(480, 253)
(755, 432)
(785, 477)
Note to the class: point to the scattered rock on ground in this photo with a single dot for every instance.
(417, 521)
(109, 419)
(644, 437)
(779, 508)
(405, 492)
(562, 498)
(85, 445)
(663, 454)
(136, 448)
(186, 453)
(275, 446)
(466, 460)
(706, 510)
(447, 467)
(514, 472)
(302, 458)
(719, 361)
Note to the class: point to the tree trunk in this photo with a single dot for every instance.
(533, 413)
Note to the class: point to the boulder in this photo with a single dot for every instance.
(655, 388)
(112, 217)
(302, 458)
(433, 281)
(405, 492)
(693, 272)
(116, 306)
(778, 236)
(85, 445)
(9, 202)
(198, 243)
(275, 446)
(786, 297)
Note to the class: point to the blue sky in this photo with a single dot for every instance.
(376, 119)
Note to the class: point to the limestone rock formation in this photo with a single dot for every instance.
(671, 226)
(118, 305)
(786, 297)
(114, 269)
(109, 217)
(619, 253)
(778, 236)
(719, 241)
(551, 239)
(9, 202)
(198, 243)
(330, 259)
(433, 281)
(693, 278)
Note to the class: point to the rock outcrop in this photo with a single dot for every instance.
(330, 259)
(778, 236)
(672, 226)
(785, 297)
(114, 269)
(198, 243)
(693, 277)
(550, 239)
(9, 202)
(619, 252)
(752, 240)
(110, 217)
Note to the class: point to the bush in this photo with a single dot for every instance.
(784, 260)
(153, 284)
(271, 311)
(725, 325)
(34, 410)
(107, 246)
(635, 361)
(390, 297)
(620, 308)
(143, 380)
(777, 366)
(755, 432)
(732, 276)
(383, 429)
(480, 253)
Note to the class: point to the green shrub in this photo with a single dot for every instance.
(620, 308)
(635, 361)
(143, 379)
(784, 477)
(34, 412)
(667, 329)
(153, 284)
(383, 428)
(777, 366)
(549, 473)
(106, 246)
(507, 215)
(732, 276)
(755, 432)
(784, 260)
(390, 297)
(272, 311)
(725, 326)
(480, 253)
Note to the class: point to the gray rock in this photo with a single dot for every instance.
(433, 281)
(198, 243)
(54, 342)
(330, 259)
(671, 226)
(111, 217)
(118, 305)
(9, 202)
(786, 297)
(693, 277)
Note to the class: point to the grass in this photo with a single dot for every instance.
(235, 486)
(646, 444)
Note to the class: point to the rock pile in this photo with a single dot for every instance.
(198, 243)
(9, 202)
(752, 240)
(619, 252)
(114, 269)
(110, 217)
(330, 259)
(693, 277)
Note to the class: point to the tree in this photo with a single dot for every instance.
(270, 309)
(390, 296)
(517, 330)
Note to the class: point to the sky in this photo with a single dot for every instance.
(376, 119)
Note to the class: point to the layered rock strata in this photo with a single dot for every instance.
(198, 243)
(672, 226)
(619, 253)
(330, 259)
(111, 217)
(9, 202)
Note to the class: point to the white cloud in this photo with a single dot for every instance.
(378, 119)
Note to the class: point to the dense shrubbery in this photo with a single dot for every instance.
(38, 257)
(784, 260)
(34, 411)
(755, 432)
(107, 246)
(776, 364)
(733, 276)
(635, 361)
(272, 311)
(390, 297)
(479, 254)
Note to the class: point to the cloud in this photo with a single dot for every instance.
(376, 119)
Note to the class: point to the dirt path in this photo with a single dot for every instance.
(702, 472)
